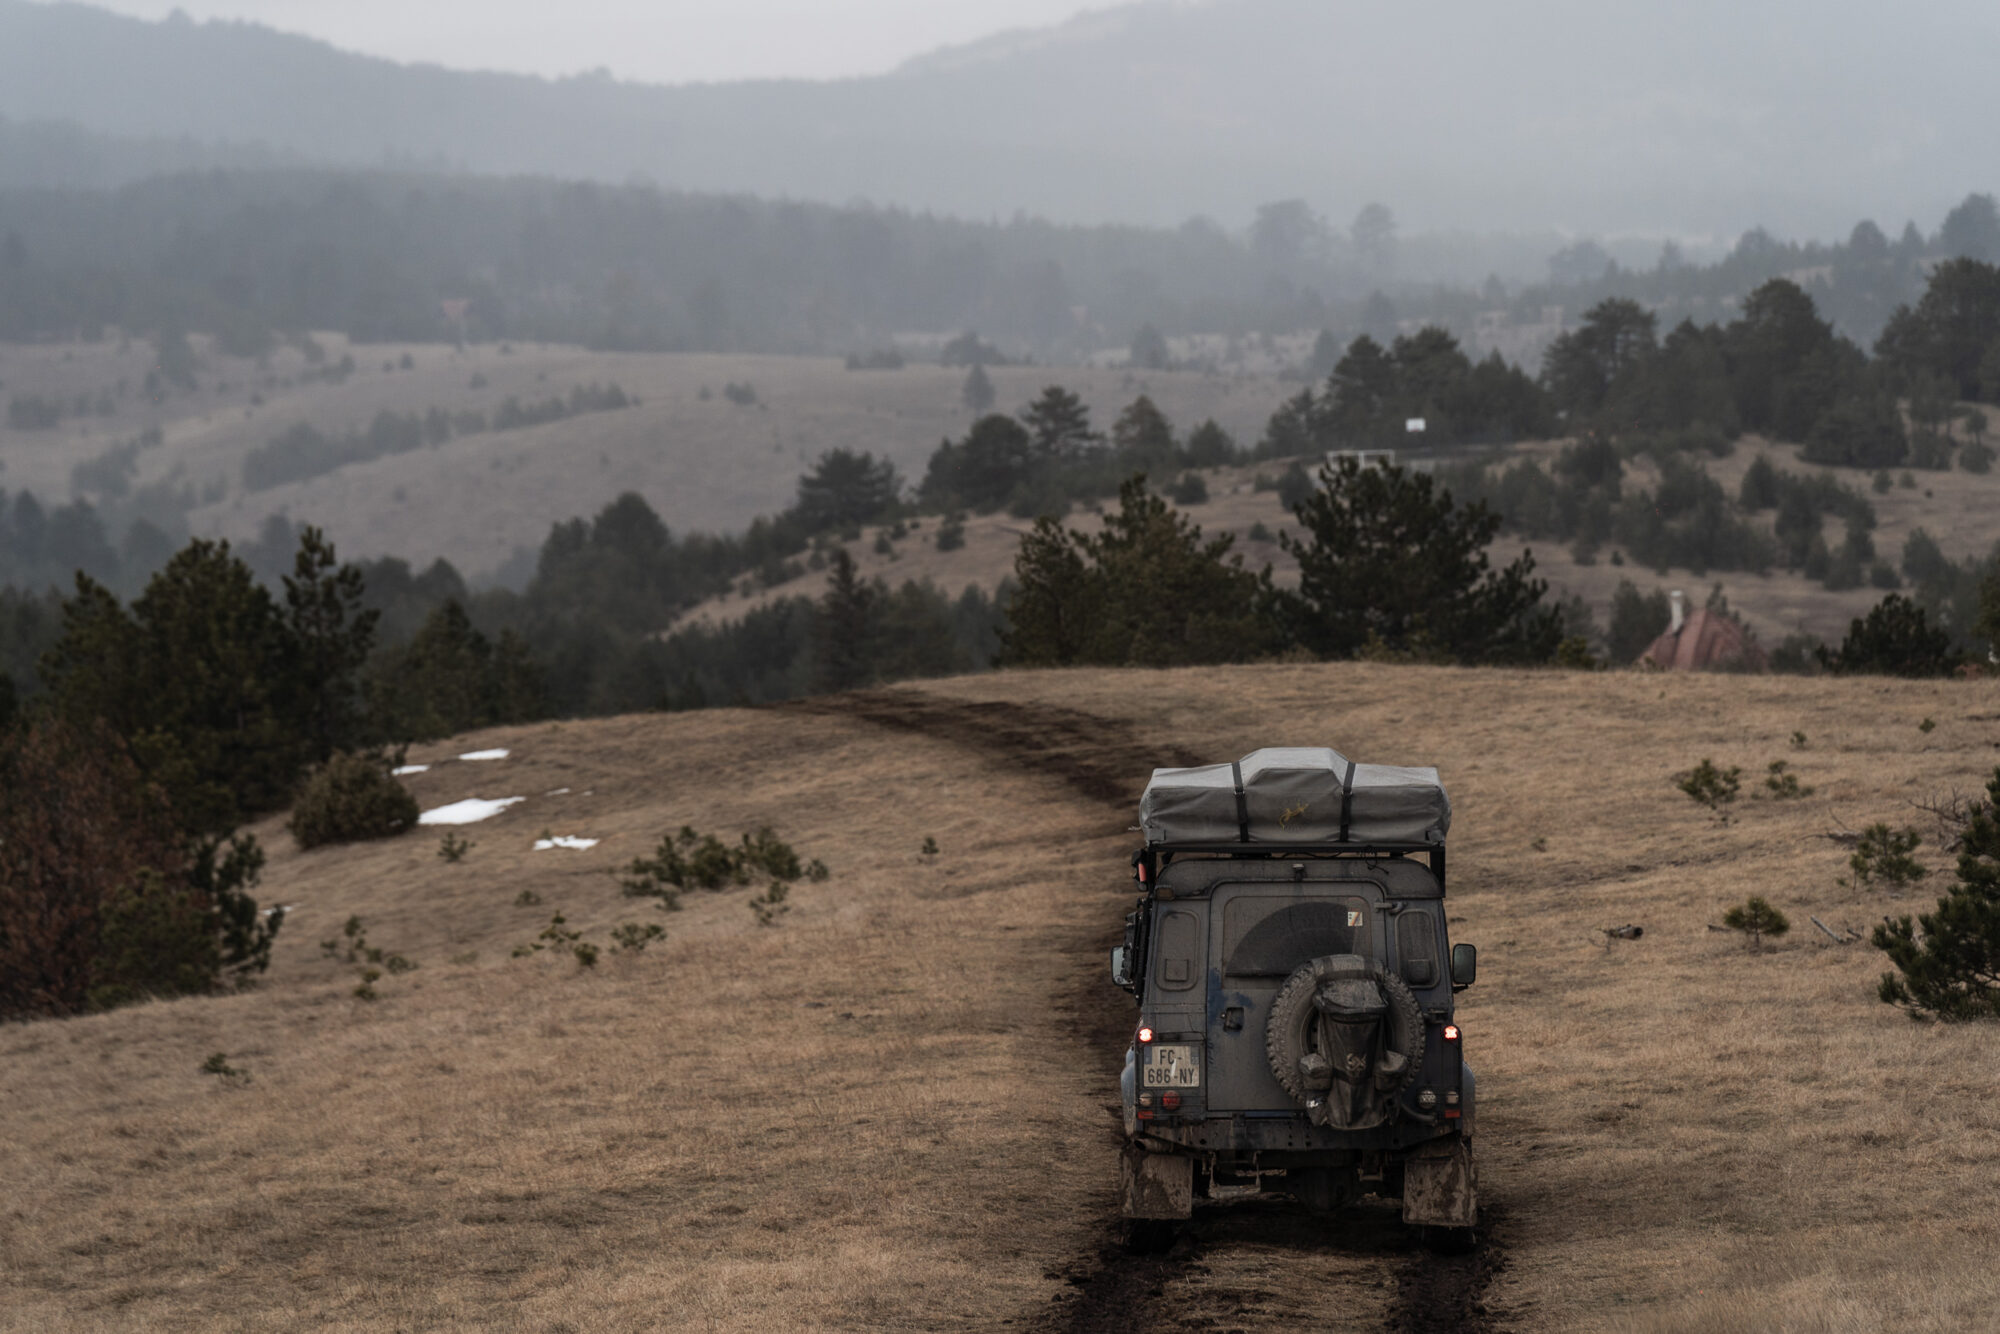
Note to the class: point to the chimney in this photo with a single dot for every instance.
(1678, 601)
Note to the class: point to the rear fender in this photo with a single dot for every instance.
(1155, 1185)
(1440, 1185)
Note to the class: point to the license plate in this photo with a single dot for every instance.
(1172, 1068)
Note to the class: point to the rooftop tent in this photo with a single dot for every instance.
(1302, 794)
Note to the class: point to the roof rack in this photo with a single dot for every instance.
(1279, 851)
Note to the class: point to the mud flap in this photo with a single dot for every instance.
(1440, 1185)
(1155, 1185)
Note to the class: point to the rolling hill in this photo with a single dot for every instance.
(896, 1108)
(479, 500)
(1469, 117)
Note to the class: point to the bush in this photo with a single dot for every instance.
(1190, 489)
(1784, 785)
(1295, 487)
(1756, 919)
(1710, 786)
(1948, 961)
(1883, 854)
(351, 797)
(688, 860)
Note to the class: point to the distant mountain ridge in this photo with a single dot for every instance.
(1708, 118)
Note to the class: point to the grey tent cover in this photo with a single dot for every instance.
(1295, 794)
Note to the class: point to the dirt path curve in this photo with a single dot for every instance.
(1254, 1264)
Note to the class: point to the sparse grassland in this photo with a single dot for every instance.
(896, 1108)
(702, 460)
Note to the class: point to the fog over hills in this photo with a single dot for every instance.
(1701, 120)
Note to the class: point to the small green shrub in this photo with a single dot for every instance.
(1798, 741)
(369, 962)
(930, 847)
(351, 797)
(1782, 784)
(1574, 654)
(1883, 855)
(558, 936)
(453, 847)
(688, 860)
(635, 936)
(1710, 786)
(527, 898)
(218, 1064)
(1927, 726)
(770, 905)
(1756, 919)
(951, 532)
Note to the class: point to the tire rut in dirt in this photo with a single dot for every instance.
(1105, 759)
(1121, 1288)
(1449, 1291)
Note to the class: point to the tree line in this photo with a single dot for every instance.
(253, 256)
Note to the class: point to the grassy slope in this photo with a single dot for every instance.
(703, 464)
(1957, 508)
(897, 1108)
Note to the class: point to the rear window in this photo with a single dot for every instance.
(1179, 942)
(1270, 935)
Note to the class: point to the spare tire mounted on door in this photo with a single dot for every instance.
(1345, 1038)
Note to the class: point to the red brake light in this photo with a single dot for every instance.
(1145, 1034)
(1451, 1032)
(1170, 1101)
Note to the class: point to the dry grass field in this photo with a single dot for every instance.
(896, 1108)
(702, 461)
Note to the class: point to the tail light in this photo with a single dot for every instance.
(1146, 1033)
(1451, 1032)
(1170, 1102)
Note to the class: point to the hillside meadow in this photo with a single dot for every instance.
(702, 460)
(896, 1108)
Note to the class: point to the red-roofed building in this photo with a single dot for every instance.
(1703, 642)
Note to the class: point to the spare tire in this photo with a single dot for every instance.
(1301, 1070)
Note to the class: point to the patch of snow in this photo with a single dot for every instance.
(557, 793)
(484, 755)
(564, 841)
(411, 769)
(470, 811)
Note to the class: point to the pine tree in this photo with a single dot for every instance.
(1146, 591)
(1948, 961)
(332, 635)
(844, 626)
(1390, 558)
(977, 394)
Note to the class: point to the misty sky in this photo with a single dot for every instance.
(664, 41)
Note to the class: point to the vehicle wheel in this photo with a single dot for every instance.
(1286, 1034)
(1451, 1240)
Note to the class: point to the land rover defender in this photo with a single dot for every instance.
(1295, 980)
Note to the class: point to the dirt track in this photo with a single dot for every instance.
(1237, 1265)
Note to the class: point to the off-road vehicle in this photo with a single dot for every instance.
(1295, 985)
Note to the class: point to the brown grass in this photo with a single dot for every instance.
(897, 1108)
(704, 464)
